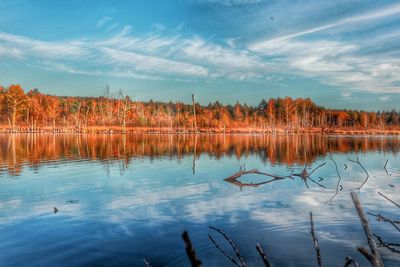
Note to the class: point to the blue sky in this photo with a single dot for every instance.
(343, 54)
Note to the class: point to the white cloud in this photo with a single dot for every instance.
(375, 14)
(150, 56)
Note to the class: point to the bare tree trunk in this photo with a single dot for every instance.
(194, 113)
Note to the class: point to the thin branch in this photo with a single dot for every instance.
(385, 167)
(338, 183)
(263, 255)
(195, 262)
(381, 218)
(230, 243)
(388, 199)
(315, 241)
(319, 166)
(350, 260)
(387, 245)
(317, 183)
(374, 256)
(223, 251)
(359, 163)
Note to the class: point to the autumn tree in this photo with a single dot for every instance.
(16, 102)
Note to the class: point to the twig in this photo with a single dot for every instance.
(388, 199)
(263, 255)
(242, 264)
(148, 264)
(315, 241)
(381, 218)
(317, 183)
(195, 262)
(374, 256)
(387, 245)
(223, 251)
(385, 167)
(319, 166)
(305, 175)
(350, 260)
(338, 183)
(359, 163)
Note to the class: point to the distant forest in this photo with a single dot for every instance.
(34, 109)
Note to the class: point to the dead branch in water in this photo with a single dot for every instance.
(387, 244)
(338, 183)
(373, 256)
(263, 255)
(241, 264)
(350, 260)
(233, 179)
(388, 199)
(315, 241)
(381, 218)
(385, 167)
(359, 163)
(195, 262)
(304, 175)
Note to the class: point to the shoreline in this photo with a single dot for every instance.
(167, 130)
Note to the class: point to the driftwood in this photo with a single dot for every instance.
(231, 258)
(388, 199)
(194, 261)
(233, 179)
(373, 255)
(359, 163)
(263, 255)
(315, 241)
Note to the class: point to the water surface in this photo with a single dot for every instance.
(125, 198)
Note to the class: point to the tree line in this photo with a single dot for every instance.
(35, 109)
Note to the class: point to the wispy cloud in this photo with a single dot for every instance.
(231, 2)
(103, 21)
(150, 56)
(362, 64)
(371, 15)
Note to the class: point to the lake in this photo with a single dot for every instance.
(122, 199)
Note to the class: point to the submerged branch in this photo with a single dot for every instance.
(374, 256)
(359, 163)
(263, 255)
(388, 199)
(227, 238)
(381, 218)
(387, 244)
(315, 241)
(195, 262)
(338, 183)
(385, 167)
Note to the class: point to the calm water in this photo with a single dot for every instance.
(124, 199)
